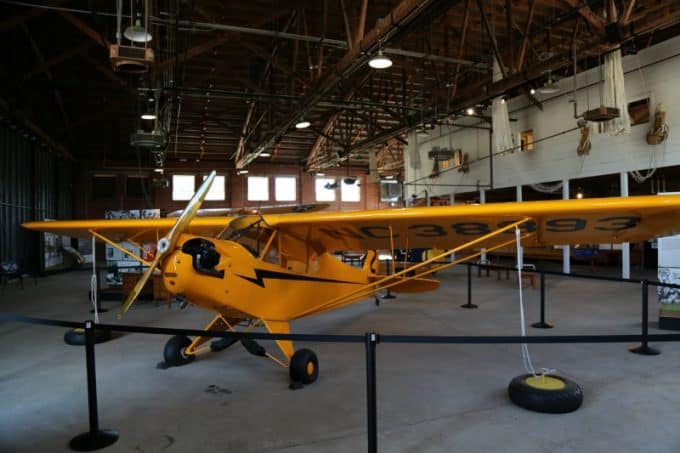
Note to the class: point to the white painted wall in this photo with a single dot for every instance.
(555, 158)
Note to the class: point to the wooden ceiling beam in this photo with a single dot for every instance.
(57, 95)
(37, 130)
(525, 42)
(46, 65)
(86, 29)
(389, 26)
(584, 10)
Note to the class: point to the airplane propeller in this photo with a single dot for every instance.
(168, 242)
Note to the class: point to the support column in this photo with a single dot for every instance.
(482, 200)
(566, 260)
(625, 247)
(518, 193)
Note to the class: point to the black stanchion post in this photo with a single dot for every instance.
(371, 394)
(469, 303)
(644, 348)
(95, 438)
(542, 324)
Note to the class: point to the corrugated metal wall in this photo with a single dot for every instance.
(35, 184)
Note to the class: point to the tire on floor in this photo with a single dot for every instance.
(545, 393)
(76, 337)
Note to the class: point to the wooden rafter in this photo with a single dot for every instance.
(525, 42)
(86, 29)
(348, 25)
(46, 65)
(627, 10)
(37, 130)
(584, 10)
(362, 22)
(57, 95)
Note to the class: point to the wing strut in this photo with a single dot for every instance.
(392, 280)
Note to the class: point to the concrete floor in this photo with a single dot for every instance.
(430, 398)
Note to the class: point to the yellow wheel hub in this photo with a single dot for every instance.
(544, 382)
(310, 368)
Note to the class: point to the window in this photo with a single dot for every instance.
(258, 188)
(350, 192)
(183, 187)
(639, 111)
(216, 192)
(103, 187)
(390, 190)
(285, 188)
(325, 189)
(136, 186)
(527, 140)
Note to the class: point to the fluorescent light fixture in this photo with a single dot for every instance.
(242, 172)
(158, 170)
(265, 154)
(321, 174)
(380, 61)
(579, 195)
(389, 177)
(550, 87)
(470, 111)
(302, 124)
(137, 33)
(148, 116)
(532, 91)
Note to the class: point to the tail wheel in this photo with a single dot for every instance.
(545, 393)
(173, 353)
(304, 366)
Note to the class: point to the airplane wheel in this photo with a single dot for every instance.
(549, 393)
(304, 366)
(173, 353)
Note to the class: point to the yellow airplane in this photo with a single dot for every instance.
(266, 270)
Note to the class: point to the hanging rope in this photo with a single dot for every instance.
(500, 121)
(93, 283)
(614, 91)
(526, 358)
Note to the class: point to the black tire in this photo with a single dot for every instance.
(551, 401)
(173, 353)
(304, 366)
(76, 337)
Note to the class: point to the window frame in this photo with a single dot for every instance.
(224, 187)
(326, 180)
(295, 188)
(173, 194)
(259, 177)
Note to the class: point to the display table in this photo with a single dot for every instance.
(154, 289)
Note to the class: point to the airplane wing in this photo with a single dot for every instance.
(586, 221)
(274, 209)
(138, 230)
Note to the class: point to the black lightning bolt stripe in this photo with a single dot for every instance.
(261, 274)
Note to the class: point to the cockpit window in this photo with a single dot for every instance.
(250, 232)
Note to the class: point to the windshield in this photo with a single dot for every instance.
(249, 231)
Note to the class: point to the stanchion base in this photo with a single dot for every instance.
(91, 441)
(644, 350)
(468, 306)
(542, 325)
(388, 296)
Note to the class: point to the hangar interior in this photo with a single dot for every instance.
(121, 110)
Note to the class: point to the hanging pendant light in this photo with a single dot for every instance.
(137, 32)
(380, 61)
